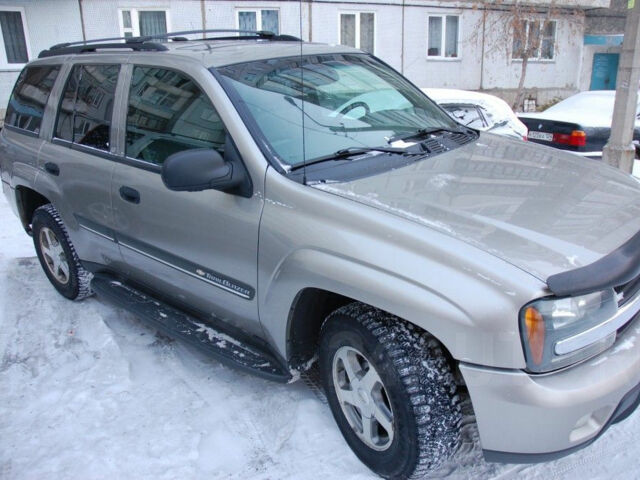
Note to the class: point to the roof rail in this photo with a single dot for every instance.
(246, 34)
(144, 43)
(89, 47)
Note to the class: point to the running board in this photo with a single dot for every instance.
(183, 326)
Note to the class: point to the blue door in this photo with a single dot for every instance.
(604, 71)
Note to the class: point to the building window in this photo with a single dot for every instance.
(357, 30)
(443, 36)
(251, 19)
(15, 49)
(136, 22)
(534, 39)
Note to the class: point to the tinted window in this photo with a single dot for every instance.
(168, 113)
(84, 116)
(30, 96)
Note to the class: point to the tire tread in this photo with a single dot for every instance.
(424, 371)
(84, 276)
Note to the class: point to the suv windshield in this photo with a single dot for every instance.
(308, 107)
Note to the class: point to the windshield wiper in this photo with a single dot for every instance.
(422, 132)
(345, 153)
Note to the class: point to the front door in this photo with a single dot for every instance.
(196, 249)
(604, 71)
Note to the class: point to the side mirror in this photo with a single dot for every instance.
(200, 169)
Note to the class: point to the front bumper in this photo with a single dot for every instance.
(530, 418)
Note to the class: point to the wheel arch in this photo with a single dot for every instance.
(304, 308)
(27, 201)
(307, 314)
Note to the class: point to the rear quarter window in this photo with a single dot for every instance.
(29, 97)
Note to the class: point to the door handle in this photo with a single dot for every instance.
(52, 168)
(130, 194)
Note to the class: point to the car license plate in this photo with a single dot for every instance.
(547, 137)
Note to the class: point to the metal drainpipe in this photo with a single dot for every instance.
(203, 14)
(402, 41)
(484, 21)
(84, 34)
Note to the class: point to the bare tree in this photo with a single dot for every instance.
(528, 31)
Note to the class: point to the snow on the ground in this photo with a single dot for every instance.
(89, 392)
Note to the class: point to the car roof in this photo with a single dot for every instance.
(216, 52)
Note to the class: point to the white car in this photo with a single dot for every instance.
(479, 110)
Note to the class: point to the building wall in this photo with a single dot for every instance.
(101, 17)
(222, 14)
(545, 80)
(44, 27)
(481, 65)
(607, 21)
(463, 72)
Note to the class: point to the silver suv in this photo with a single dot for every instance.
(275, 202)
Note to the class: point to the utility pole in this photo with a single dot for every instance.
(620, 151)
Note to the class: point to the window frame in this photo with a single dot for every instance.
(537, 59)
(137, 162)
(40, 132)
(482, 113)
(135, 19)
(258, 12)
(443, 37)
(358, 14)
(4, 64)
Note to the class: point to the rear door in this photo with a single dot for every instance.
(77, 163)
(196, 249)
(20, 140)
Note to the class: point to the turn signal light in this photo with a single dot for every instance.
(534, 324)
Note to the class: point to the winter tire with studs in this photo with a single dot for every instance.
(57, 255)
(391, 390)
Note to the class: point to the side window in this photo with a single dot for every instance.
(84, 116)
(168, 113)
(468, 115)
(29, 97)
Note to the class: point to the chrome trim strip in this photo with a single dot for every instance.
(100, 234)
(180, 269)
(598, 332)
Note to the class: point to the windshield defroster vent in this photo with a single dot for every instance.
(461, 138)
(434, 145)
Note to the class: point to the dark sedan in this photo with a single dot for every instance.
(581, 123)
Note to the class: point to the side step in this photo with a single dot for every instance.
(183, 326)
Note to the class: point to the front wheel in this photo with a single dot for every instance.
(391, 391)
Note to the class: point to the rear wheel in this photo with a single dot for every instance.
(57, 256)
(391, 391)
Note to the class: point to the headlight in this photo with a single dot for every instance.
(546, 322)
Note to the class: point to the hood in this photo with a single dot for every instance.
(538, 208)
